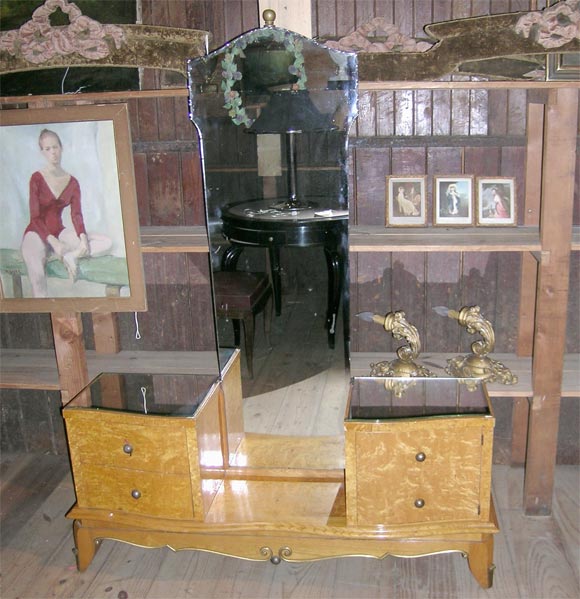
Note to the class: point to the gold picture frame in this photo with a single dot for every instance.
(69, 236)
(406, 201)
(496, 202)
(453, 200)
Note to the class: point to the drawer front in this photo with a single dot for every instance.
(146, 493)
(127, 445)
(406, 476)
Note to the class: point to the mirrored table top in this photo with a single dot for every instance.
(140, 393)
(382, 398)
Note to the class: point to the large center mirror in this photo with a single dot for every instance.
(273, 110)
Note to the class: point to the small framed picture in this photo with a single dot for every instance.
(453, 204)
(405, 201)
(496, 201)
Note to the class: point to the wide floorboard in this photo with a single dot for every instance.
(536, 558)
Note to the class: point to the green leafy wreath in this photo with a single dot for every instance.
(230, 73)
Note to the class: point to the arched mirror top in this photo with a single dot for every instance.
(275, 65)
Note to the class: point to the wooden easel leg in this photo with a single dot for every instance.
(480, 559)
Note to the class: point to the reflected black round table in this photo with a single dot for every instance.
(257, 224)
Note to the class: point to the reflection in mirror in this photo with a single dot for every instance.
(273, 110)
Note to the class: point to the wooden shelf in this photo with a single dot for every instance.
(522, 367)
(174, 239)
(452, 85)
(36, 368)
(433, 239)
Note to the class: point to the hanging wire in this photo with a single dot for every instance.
(137, 333)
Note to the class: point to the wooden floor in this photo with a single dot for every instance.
(536, 558)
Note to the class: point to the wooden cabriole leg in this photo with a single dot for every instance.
(85, 544)
(480, 559)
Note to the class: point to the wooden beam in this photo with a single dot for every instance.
(71, 359)
(529, 273)
(552, 298)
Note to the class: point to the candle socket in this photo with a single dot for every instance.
(478, 364)
(404, 365)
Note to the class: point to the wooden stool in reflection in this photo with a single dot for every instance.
(240, 296)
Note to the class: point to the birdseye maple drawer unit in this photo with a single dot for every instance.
(138, 444)
(418, 451)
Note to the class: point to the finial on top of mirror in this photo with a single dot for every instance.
(269, 17)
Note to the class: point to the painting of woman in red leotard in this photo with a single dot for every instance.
(52, 189)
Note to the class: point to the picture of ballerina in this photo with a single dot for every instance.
(496, 201)
(52, 189)
(69, 226)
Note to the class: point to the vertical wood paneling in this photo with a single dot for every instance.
(422, 15)
(513, 162)
(147, 110)
(166, 119)
(364, 12)
(403, 112)
(404, 17)
(372, 168)
(423, 108)
(251, 17)
(441, 112)
(517, 112)
(482, 162)
(193, 201)
(498, 112)
(142, 188)
(386, 9)
(480, 7)
(460, 9)
(460, 112)
(444, 275)
(507, 303)
(164, 190)
(372, 294)
(441, 10)
(478, 112)
(385, 113)
(408, 291)
(326, 14)
(345, 18)
(367, 114)
(499, 6)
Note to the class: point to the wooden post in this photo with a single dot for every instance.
(106, 333)
(71, 360)
(552, 297)
(529, 273)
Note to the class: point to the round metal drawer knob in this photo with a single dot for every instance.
(419, 503)
(420, 457)
(136, 494)
(128, 448)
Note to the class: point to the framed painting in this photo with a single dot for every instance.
(496, 201)
(69, 233)
(406, 201)
(453, 205)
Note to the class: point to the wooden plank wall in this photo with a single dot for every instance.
(169, 193)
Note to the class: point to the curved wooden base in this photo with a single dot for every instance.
(292, 543)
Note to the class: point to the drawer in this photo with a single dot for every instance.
(137, 446)
(137, 492)
(406, 476)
